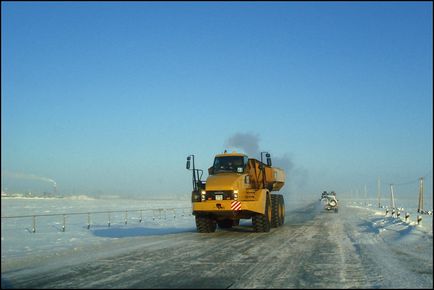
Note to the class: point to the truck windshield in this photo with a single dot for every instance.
(229, 164)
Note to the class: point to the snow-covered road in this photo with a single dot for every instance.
(313, 249)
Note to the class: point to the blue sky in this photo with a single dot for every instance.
(110, 97)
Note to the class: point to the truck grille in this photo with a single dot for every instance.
(227, 194)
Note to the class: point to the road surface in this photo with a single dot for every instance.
(313, 249)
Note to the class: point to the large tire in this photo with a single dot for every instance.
(282, 212)
(275, 215)
(262, 222)
(205, 224)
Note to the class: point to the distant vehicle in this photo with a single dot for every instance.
(329, 201)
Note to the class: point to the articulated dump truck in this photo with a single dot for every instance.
(237, 187)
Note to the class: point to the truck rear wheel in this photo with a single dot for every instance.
(275, 211)
(278, 210)
(205, 224)
(282, 207)
(262, 222)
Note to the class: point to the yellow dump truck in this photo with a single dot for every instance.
(237, 187)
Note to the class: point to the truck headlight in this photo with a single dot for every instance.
(235, 194)
(195, 197)
(202, 195)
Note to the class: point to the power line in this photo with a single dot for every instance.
(410, 181)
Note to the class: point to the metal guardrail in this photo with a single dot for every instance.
(109, 212)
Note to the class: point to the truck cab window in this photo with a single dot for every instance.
(229, 164)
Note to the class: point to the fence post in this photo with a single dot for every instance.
(64, 221)
(419, 219)
(88, 220)
(34, 225)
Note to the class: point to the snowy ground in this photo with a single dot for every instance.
(20, 245)
(88, 237)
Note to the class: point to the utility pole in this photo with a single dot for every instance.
(420, 203)
(392, 197)
(379, 191)
(366, 195)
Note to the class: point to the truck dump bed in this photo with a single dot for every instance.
(274, 177)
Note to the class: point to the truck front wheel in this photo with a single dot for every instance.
(261, 222)
(205, 224)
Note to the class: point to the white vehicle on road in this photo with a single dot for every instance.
(330, 202)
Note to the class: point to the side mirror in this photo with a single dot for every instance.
(211, 170)
(188, 163)
(268, 159)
